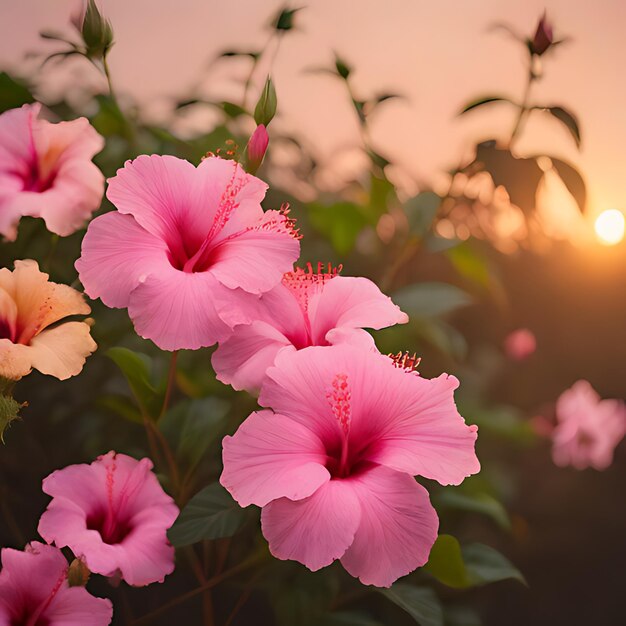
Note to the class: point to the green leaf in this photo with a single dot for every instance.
(136, 370)
(343, 69)
(350, 618)
(486, 565)
(9, 412)
(469, 264)
(201, 427)
(470, 566)
(485, 100)
(284, 19)
(340, 222)
(13, 94)
(232, 110)
(427, 300)
(461, 616)
(266, 106)
(420, 603)
(446, 562)
(421, 210)
(210, 514)
(569, 120)
(474, 502)
(120, 405)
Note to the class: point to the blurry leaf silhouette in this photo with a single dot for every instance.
(485, 100)
(340, 222)
(349, 618)
(13, 94)
(519, 176)
(284, 21)
(568, 119)
(421, 210)
(426, 300)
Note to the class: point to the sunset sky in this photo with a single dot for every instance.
(438, 54)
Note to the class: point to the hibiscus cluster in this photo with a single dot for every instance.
(195, 259)
(332, 459)
(113, 515)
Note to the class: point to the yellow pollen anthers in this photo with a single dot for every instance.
(406, 361)
(339, 397)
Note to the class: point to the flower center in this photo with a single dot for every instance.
(112, 530)
(7, 331)
(345, 456)
(303, 284)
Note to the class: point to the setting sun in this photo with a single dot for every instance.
(609, 227)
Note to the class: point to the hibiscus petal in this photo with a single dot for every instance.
(316, 530)
(426, 436)
(353, 303)
(255, 259)
(61, 351)
(397, 530)
(242, 360)
(156, 191)
(270, 457)
(39, 302)
(179, 310)
(14, 360)
(75, 606)
(116, 253)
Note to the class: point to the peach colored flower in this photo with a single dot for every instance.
(31, 336)
(46, 171)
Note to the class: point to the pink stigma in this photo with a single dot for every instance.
(339, 399)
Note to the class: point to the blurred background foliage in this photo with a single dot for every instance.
(468, 266)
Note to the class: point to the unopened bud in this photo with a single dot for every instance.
(78, 573)
(266, 106)
(256, 149)
(544, 37)
(95, 29)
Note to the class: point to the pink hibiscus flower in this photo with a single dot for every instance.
(34, 591)
(183, 247)
(332, 465)
(114, 515)
(307, 309)
(588, 428)
(46, 171)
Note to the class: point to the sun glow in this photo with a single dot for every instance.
(609, 227)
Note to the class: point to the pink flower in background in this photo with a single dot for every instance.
(32, 331)
(332, 464)
(307, 309)
(588, 428)
(183, 248)
(34, 591)
(114, 515)
(46, 171)
(520, 344)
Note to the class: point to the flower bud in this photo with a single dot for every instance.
(256, 149)
(95, 30)
(78, 573)
(543, 38)
(266, 106)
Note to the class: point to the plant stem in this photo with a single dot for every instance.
(171, 379)
(524, 108)
(212, 582)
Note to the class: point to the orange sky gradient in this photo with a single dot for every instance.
(438, 54)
